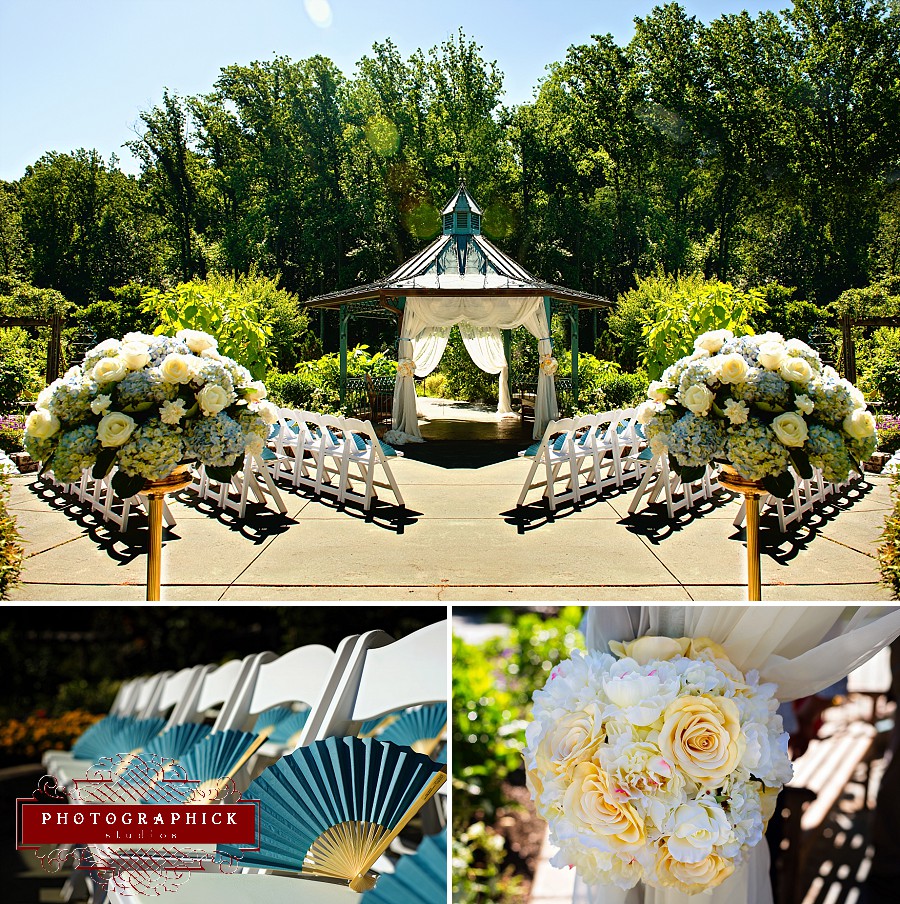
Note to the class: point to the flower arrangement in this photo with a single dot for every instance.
(147, 404)
(549, 365)
(660, 764)
(406, 367)
(762, 405)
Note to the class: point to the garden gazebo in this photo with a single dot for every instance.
(462, 279)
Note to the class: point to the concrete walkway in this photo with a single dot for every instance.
(459, 540)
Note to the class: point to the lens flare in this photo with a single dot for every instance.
(423, 220)
(382, 135)
(319, 11)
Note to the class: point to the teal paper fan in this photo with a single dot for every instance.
(332, 808)
(207, 768)
(419, 728)
(373, 727)
(420, 878)
(95, 741)
(286, 723)
(179, 740)
(123, 737)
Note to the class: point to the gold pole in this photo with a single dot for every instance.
(154, 554)
(754, 575)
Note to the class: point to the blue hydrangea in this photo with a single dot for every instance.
(754, 451)
(696, 441)
(697, 373)
(862, 449)
(764, 388)
(250, 422)
(745, 346)
(662, 423)
(213, 371)
(39, 449)
(152, 451)
(217, 441)
(77, 449)
(72, 396)
(144, 388)
(163, 346)
(832, 399)
(672, 374)
(827, 451)
(239, 374)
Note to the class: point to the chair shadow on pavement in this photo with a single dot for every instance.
(537, 514)
(654, 524)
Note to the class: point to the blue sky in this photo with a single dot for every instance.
(76, 73)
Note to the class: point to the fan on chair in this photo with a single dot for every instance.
(420, 878)
(208, 767)
(121, 736)
(98, 734)
(285, 722)
(332, 808)
(143, 766)
(420, 728)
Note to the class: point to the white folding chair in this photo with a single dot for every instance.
(659, 478)
(556, 453)
(362, 456)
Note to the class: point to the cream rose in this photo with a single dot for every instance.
(574, 738)
(196, 340)
(647, 649)
(795, 370)
(771, 355)
(44, 396)
(591, 803)
(791, 429)
(860, 423)
(110, 370)
(646, 411)
(713, 340)
(135, 354)
(213, 399)
(658, 392)
(268, 412)
(255, 392)
(859, 400)
(100, 404)
(115, 428)
(695, 828)
(406, 367)
(737, 412)
(41, 424)
(702, 737)
(177, 368)
(692, 877)
(804, 404)
(697, 398)
(732, 368)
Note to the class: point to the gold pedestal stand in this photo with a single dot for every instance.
(752, 491)
(156, 490)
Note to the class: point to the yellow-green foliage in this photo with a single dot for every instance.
(889, 551)
(10, 547)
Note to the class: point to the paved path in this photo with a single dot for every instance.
(460, 540)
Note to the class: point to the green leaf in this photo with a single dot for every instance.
(223, 474)
(780, 485)
(801, 463)
(105, 459)
(127, 485)
(688, 473)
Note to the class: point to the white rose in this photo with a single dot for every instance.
(110, 370)
(177, 368)
(859, 400)
(549, 365)
(646, 411)
(41, 424)
(795, 370)
(658, 392)
(697, 398)
(253, 443)
(736, 412)
(115, 428)
(860, 424)
(197, 341)
(799, 346)
(213, 399)
(659, 444)
(256, 391)
(790, 428)
(696, 828)
(268, 412)
(713, 340)
(143, 338)
(172, 412)
(804, 403)
(135, 354)
(101, 403)
(732, 368)
(771, 354)
(44, 396)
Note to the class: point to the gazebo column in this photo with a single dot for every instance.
(344, 317)
(573, 320)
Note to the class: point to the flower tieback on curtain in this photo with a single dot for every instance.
(659, 764)
(549, 365)
(406, 367)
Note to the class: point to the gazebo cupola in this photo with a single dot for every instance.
(462, 216)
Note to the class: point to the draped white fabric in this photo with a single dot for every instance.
(428, 349)
(802, 649)
(500, 313)
(485, 347)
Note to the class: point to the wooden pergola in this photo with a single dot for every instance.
(460, 263)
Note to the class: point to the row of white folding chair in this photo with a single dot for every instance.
(659, 479)
(98, 494)
(331, 455)
(254, 478)
(805, 495)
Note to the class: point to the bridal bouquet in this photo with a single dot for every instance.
(147, 404)
(659, 764)
(760, 404)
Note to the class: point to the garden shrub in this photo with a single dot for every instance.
(10, 546)
(28, 738)
(298, 391)
(435, 385)
(21, 372)
(12, 428)
(793, 318)
(879, 366)
(113, 317)
(465, 380)
(889, 551)
(888, 434)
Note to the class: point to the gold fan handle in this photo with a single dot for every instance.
(363, 882)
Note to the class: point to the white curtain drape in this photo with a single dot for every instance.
(485, 347)
(501, 313)
(802, 649)
(428, 349)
